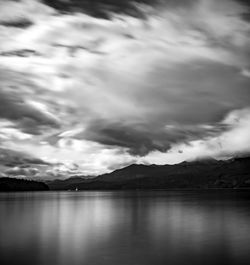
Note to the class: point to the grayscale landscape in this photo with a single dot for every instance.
(124, 132)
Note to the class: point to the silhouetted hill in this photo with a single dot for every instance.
(203, 174)
(64, 184)
(12, 184)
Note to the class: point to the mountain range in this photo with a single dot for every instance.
(203, 174)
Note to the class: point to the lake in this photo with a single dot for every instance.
(125, 227)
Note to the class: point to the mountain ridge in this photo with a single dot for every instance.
(233, 173)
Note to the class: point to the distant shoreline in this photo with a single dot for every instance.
(15, 184)
(131, 190)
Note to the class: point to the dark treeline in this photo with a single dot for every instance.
(12, 184)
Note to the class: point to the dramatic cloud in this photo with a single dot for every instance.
(104, 84)
(233, 142)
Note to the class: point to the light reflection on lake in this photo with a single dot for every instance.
(125, 228)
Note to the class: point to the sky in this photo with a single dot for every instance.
(87, 87)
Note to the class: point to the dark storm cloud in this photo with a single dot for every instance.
(101, 8)
(18, 23)
(105, 8)
(138, 140)
(244, 2)
(21, 53)
(143, 138)
(246, 16)
(12, 158)
(180, 104)
(15, 108)
(16, 103)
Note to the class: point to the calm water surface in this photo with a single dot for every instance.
(125, 228)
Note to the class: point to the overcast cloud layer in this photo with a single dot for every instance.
(93, 87)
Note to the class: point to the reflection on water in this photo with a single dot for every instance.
(125, 228)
